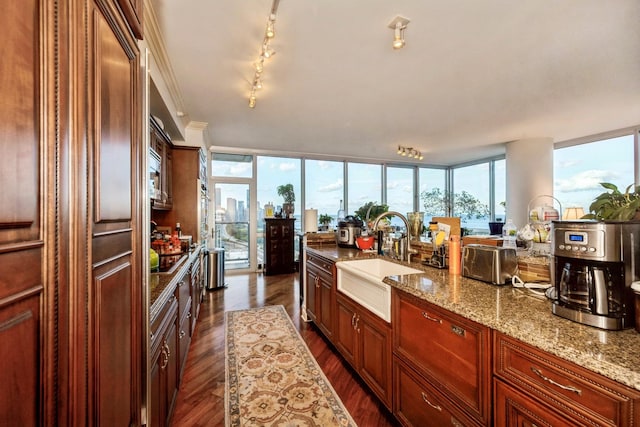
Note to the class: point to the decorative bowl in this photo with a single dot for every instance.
(364, 242)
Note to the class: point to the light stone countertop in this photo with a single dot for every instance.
(514, 312)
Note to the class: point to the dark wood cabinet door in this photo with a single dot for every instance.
(374, 358)
(27, 289)
(447, 349)
(345, 335)
(114, 292)
(312, 281)
(513, 408)
(279, 246)
(326, 306)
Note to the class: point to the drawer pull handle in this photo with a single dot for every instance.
(458, 330)
(557, 384)
(436, 407)
(433, 319)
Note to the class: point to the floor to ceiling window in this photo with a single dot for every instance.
(578, 170)
(471, 197)
(432, 189)
(400, 191)
(273, 172)
(232, 176)
(324, 187)
(364, 184)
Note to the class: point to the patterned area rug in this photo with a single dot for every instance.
(272, 378)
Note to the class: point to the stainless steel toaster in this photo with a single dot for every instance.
(493, 264)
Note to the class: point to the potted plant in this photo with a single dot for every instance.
(615, 205)
(325, 220)
(289, 196)
(371, 208)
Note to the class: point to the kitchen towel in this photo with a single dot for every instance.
(310, 220)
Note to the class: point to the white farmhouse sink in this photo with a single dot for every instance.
(362, 281)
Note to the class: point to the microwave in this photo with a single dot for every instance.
(154, 174)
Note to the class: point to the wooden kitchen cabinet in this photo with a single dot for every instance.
(197, 287)
(279, 248)
(419, 403)
(161, 143)
(320, 280)
(530, 383)
(183, 294)
(445, 350)
(364, 340)
(164, 364)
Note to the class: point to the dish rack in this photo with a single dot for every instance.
(541, 228)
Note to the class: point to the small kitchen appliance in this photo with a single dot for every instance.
(595, 263)
(348, 230)
(492, 264)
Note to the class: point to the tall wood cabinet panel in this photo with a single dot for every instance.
(71, 318)
(279, 236)
(25, 291)
(114, 294)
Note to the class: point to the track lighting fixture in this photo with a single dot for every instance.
(398, 24)
(410, 152)
(265, 53)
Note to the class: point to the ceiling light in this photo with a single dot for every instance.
(410, 152)
(265, 53)
(271, 32)
(398, 24)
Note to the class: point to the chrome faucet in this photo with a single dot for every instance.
(409, 251)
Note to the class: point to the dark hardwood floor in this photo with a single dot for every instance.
(200, 401)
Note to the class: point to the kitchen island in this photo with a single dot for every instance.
(522, 330)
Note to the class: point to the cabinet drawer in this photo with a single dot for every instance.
(447, 349)
(166, 316)
(583, 394)
(417, 403)
(183, 293)
(321, 264)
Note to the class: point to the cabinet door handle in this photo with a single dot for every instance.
(433, 319)
(557, 384)
(357, 322)
(436, 407)
(188, 314)
(353, 321)
(164, 353)
(182, 334)
(168, 349)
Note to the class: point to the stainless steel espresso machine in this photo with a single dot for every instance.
(595, 263)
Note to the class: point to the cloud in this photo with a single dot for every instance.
(586, 180)
(240, 169)
(284, 167)
(323, 164)
(331, 187)
(569, 163)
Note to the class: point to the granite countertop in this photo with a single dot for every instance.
(518, 314)
(162, 285)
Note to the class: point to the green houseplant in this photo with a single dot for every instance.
(615, 205)
(289, 196)
(325, 220)
(373, 209)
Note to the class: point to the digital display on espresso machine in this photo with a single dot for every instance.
(576, 238)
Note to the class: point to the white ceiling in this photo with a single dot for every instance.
(472, 76)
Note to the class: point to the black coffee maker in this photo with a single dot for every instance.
(595, 263)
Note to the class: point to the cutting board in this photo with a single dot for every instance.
(451, 221)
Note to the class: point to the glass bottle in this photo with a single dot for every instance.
(509, 233)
